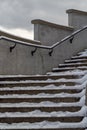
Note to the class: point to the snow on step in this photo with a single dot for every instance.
(73, 64)
(81, 102)
(47, 87)
(38, 113)
(35, 77)
(79, 57)
(44, 124)
(43, 109)
(69, 68)
(76, 61)
(46, 81)
(43, 95)
(73, 72)
(33, 91)
(81, 54)
(38, 81)
(29, 81)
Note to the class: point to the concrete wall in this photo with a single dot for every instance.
(20, 60)
(76, 18)
(49, 33)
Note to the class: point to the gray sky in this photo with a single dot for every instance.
(16, 15)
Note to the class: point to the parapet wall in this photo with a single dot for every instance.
(49, 33)
(76, 18)
(20, 61)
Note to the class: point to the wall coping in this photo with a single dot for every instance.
(6, 34)
(39, 21)
(76, 11)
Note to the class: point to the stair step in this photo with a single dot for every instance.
(35, 77)
(79, 57)
(39, 119)
(35, 91)
(48, 103)
(76, 61)
(68, 69)
(69, 72)
(56, 129)
(43, 83)
(25, 126)
(72, 65)
(31, 92)
(45, 109)
(38, 99)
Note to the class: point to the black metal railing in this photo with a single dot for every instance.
(50, 48)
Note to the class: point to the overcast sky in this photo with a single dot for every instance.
(16, 15)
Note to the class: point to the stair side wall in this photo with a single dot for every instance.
(20, 61)
(49, 33)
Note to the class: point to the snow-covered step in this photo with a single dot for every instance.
(40, 108)
(83, 53)
(72, 65)
(45, 125)
(35, 77)
(43, 104)
(76, 61)
(69, 69)
(79, 57)
(37, 99)
(39, 113)
(80, 86)
(70, 93)
(80, 103)
(39, 118)
(35, 83)
(35, 91)
(71, 72)
(43, 95)
(47, 81)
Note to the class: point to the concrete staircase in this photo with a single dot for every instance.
(55, 101)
